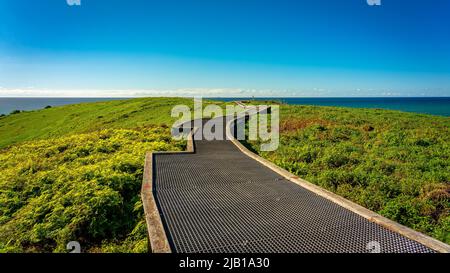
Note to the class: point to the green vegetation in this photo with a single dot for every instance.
(74, 173)
(81, 187)
(87, 117)
(15, 112)
(394, 163)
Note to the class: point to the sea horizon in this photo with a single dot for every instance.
(425, 105)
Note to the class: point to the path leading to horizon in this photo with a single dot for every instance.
(221, 200)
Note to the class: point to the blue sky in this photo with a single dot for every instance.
(225, 48)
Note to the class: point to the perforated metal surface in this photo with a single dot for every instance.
(220, 200)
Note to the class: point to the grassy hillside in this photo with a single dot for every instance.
(82, 187)
(394, 163)
(87, 117)
(74, 173)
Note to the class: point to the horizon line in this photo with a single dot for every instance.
(214, 97)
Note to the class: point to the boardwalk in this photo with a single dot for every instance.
(220, 200)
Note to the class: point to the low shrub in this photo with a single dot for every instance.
(83, 187)
(396, 164)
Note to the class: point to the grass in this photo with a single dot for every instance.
(74, 173)
(82, 187)
(88, 117)
(391, 162)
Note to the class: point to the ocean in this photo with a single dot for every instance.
(7, 105)
(427, 105)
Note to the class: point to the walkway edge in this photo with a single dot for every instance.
(158, 241)
(366, 213)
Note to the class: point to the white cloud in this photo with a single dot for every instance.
(181, 92)
(193, 92)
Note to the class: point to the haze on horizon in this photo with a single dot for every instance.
(225, 48)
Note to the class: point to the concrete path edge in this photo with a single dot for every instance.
(158, 241)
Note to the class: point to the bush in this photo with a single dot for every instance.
(82, 187)
(393, 163)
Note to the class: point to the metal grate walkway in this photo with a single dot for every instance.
(220, 200)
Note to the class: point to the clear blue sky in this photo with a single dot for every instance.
(246, 47)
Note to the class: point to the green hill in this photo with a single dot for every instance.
(74, 173)
(81, 187)
(391, 162)
(87, 117)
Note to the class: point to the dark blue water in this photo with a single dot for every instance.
(435, 106)
(7, 105)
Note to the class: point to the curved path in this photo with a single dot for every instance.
(220, 200)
